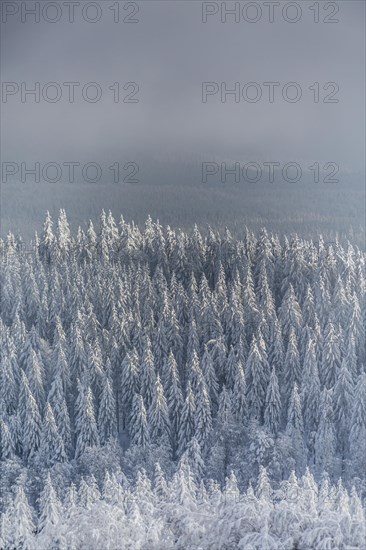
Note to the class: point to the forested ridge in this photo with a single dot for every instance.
(163, 389)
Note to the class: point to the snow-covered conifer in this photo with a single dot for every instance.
(22, 524)
(159, 422)
(30, 419)
(139, 429)
(50, 507)
(272, 411)
(52, 448)
(107, 425)
(85, 423)
(187, 421)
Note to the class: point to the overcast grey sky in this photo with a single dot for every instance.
(169, 53)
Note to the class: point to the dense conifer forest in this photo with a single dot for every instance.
(169, 389)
